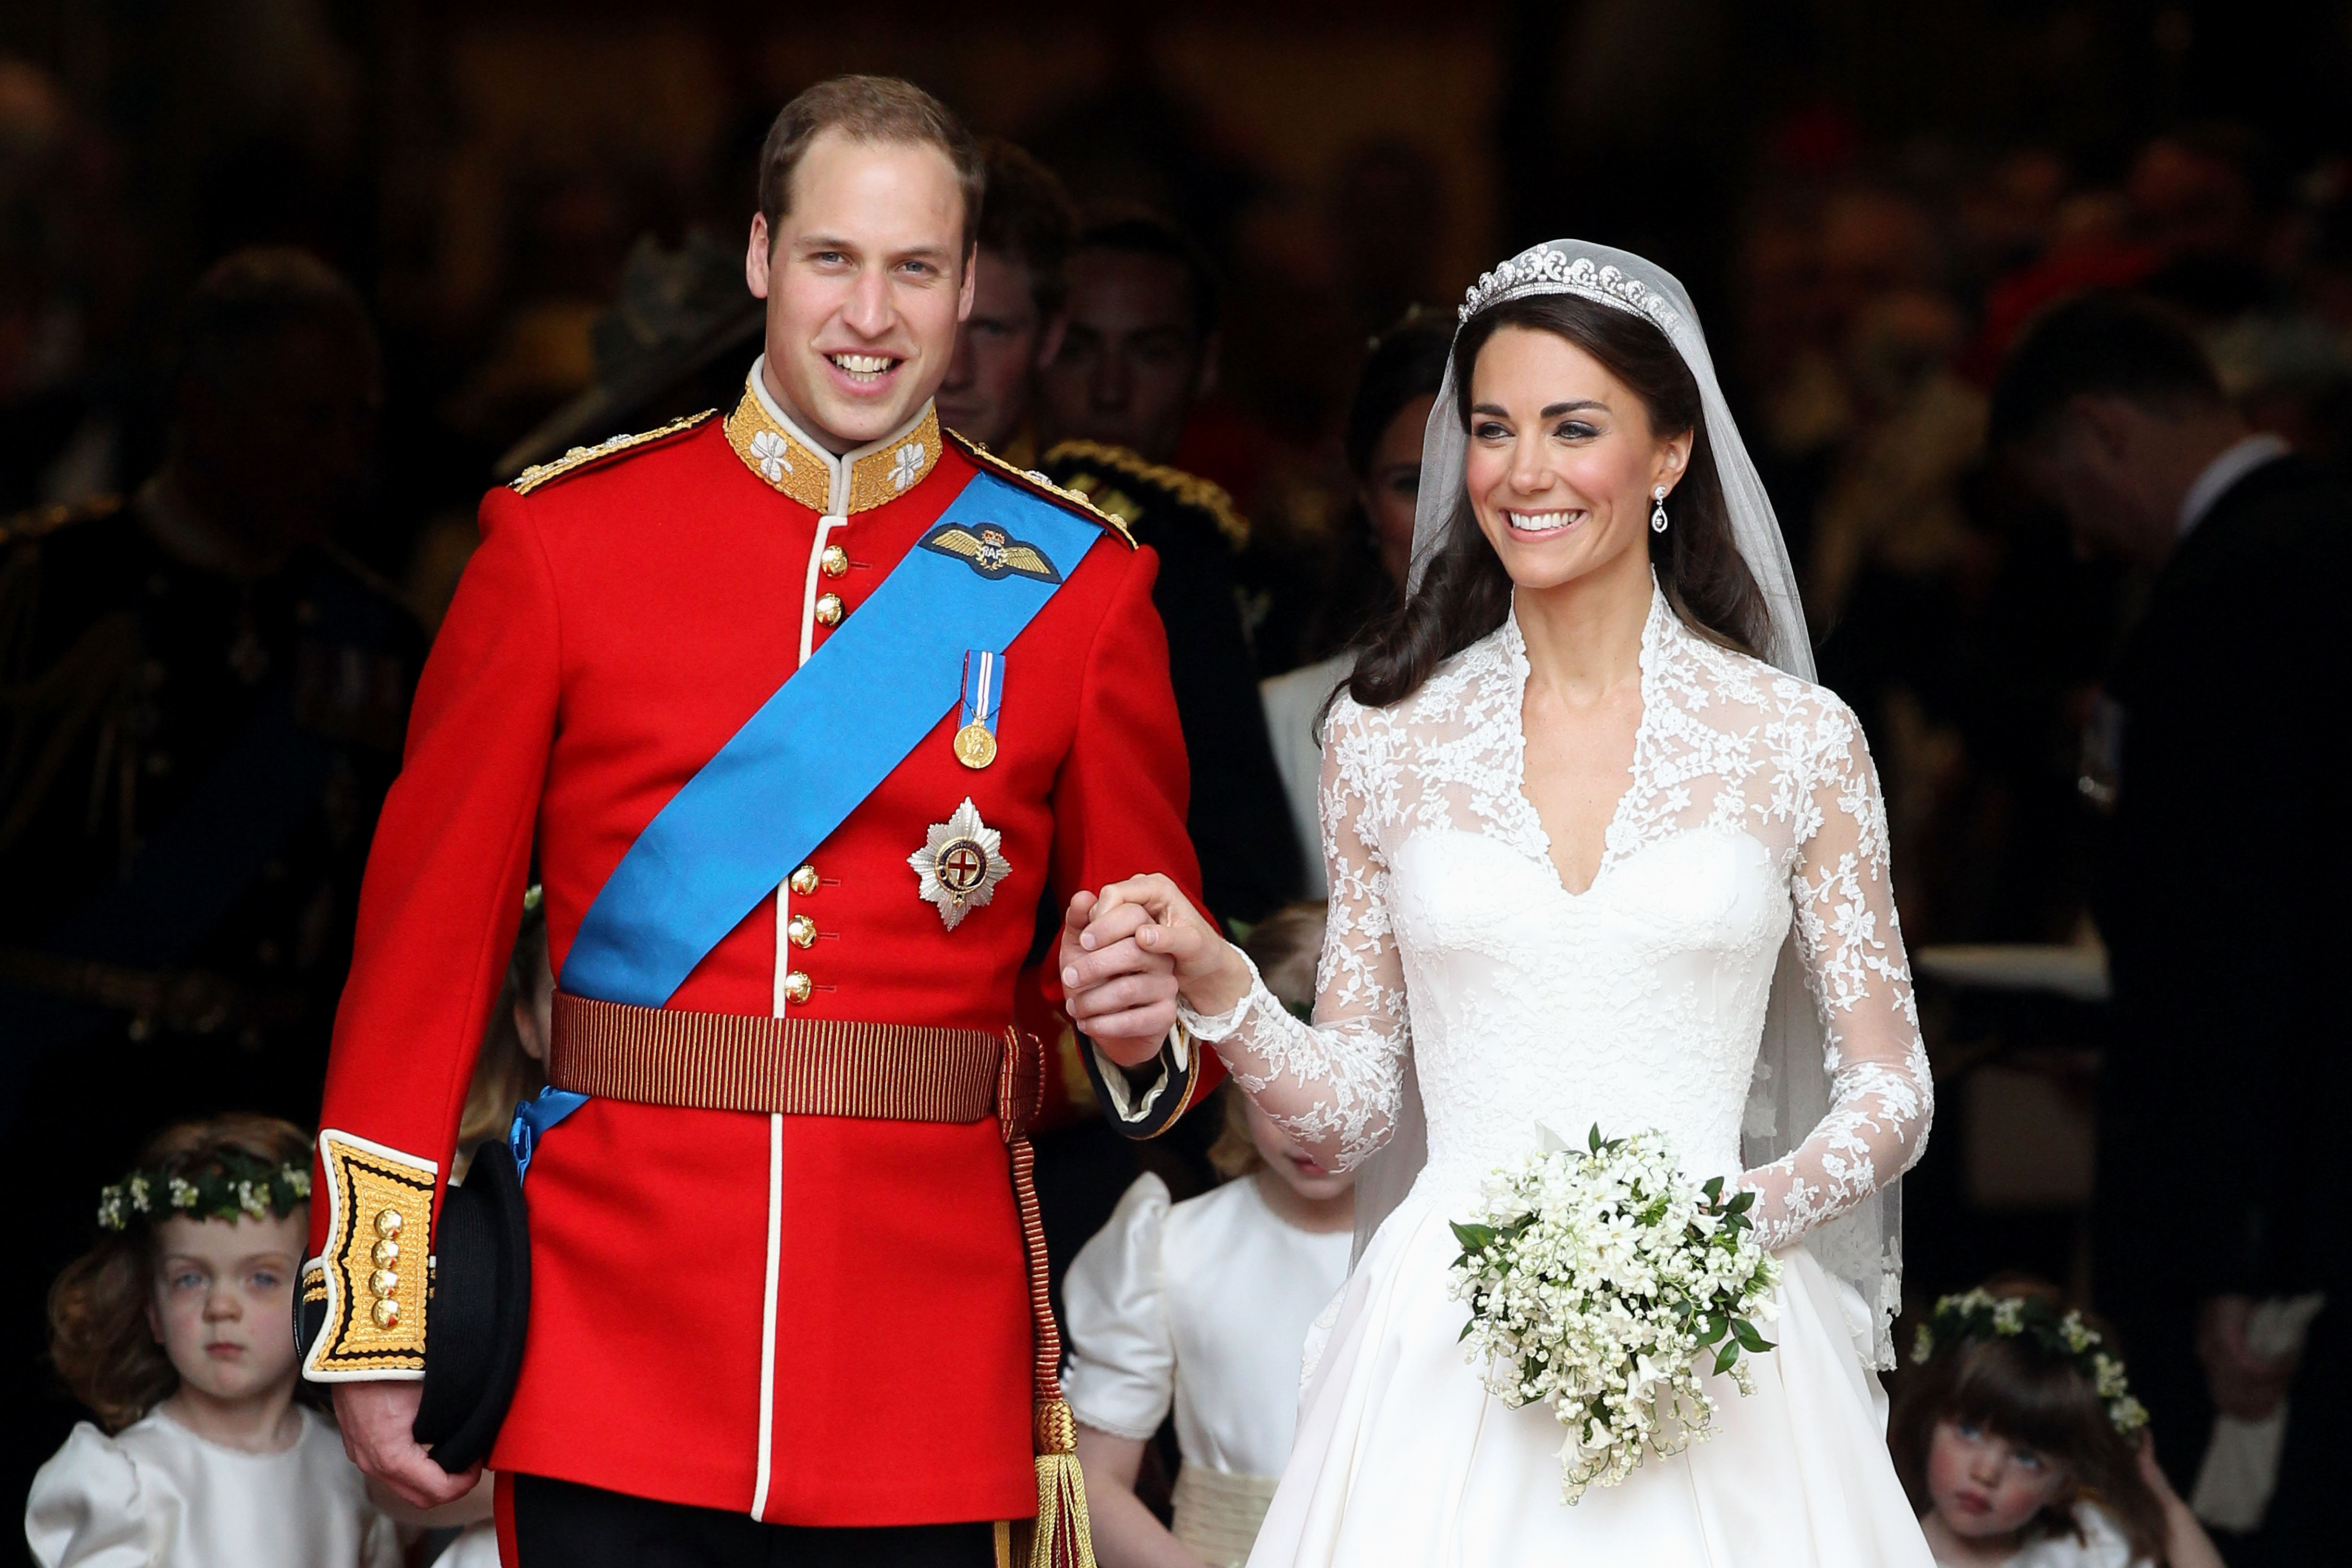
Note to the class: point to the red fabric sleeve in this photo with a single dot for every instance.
(1120, 798)
(442, 894)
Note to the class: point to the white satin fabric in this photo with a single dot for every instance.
(1203, 1306)
(155, 1495)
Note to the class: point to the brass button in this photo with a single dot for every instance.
(828, 609)
(387, 1314)
(835, 560)
(796, 985)
(801, 931)
(384, 1282)
(804, 881)
(387, 1223)
(386, 1253)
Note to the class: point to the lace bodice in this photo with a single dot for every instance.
(1637, 1003)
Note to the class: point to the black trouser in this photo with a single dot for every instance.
(560, 1524)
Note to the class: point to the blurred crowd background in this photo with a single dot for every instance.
(534, 201)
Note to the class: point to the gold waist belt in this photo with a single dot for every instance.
(1217, 1514)
(796, 1066)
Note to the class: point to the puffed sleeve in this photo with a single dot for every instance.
(88, 1506)
(1121, 1377)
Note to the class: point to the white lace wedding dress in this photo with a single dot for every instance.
(1637, 1003)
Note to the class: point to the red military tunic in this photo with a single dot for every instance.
(819, 1320)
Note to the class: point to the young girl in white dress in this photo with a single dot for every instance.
(2018, 1440)
(177, 1329)
(1599, 853)
(1204, 1306)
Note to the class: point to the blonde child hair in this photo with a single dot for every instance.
(1284, 946)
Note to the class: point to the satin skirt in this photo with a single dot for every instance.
(1402, 1457)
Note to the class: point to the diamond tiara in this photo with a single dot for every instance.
(1544, 270)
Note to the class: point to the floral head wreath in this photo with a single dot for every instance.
(231, 1184)
(1981, 1315)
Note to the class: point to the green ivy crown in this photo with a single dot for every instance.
(231, 1185)
(1981, 1315)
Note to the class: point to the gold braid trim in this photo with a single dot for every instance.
(1038, 483)
(379, 1241)
(580, 457)
(1189, 489)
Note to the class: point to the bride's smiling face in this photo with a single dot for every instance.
(1562, 465)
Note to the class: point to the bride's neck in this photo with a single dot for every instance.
(1584, 635)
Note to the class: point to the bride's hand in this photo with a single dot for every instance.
(1148, 916)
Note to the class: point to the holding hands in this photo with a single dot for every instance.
(1127, 953)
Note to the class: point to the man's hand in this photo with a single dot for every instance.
(2243, 1383)
(1126, 954)
(379, 1422)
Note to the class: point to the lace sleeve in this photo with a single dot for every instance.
(1334, 1085)
(1881, 1095)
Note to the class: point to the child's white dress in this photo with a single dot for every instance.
(1204, 1306)
(2103, 1545)
(155, 1495)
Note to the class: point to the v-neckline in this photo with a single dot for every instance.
(1515, 648)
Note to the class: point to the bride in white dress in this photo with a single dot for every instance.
(1573, 835)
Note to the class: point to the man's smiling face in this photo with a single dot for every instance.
(865, 280)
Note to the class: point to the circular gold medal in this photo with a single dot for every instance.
(974, 746)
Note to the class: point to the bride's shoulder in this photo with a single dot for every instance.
(1459, 687)
(1742, 693)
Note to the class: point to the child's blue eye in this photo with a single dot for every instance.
(1968, 1429)
(265, 1280)
(188, 1280)
(2027, 1458)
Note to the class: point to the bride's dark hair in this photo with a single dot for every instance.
(1465, 592)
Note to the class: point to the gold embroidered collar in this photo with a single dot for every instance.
(772, 446)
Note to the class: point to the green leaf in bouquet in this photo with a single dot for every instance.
(1745, 1334)
(1712, 1327)
(1728, 1357)
(1596, 1138)
(1475, 1239)
(1655, 1213)
(1740, 1202)
(1714, 1190)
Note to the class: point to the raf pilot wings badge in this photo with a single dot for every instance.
(991, 552)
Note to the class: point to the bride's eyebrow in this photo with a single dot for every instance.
(1554, 410)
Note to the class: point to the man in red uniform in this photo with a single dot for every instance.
(807, 708)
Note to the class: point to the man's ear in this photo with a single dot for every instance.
(1206, 382)
(2102, 424)
(755, 258)
(1049, 339)
(966, 291)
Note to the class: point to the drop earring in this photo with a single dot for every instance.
(1658, 510)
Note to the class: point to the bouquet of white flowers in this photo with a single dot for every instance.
(1597, 1280)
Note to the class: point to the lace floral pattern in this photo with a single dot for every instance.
(1752, 818)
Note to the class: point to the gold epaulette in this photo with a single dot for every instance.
(1189, 489)
(580, 457)
(1036, 483)
(36, 522)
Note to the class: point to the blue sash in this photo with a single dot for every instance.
(827, 738)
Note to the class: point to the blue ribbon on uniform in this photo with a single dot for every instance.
(819, 746)
(984, 689)
(532, 1118)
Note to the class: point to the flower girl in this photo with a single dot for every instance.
(1205, 1305)
(2018, 1439)
(176, 1329)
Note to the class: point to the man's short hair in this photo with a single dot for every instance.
(874, 109)
(2101, 344)
(1030, 219)
(1140, 231)
(240, 309)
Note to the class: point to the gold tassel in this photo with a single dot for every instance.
(1064, 1536)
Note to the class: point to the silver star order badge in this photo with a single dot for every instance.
(959, 864)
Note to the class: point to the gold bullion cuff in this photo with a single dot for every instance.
(379, 1231)
(1145, 1102)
